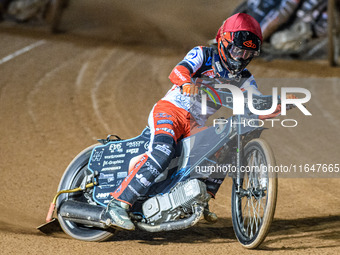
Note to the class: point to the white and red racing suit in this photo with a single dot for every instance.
(171, 119)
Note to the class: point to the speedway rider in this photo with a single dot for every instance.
(303, 20)
(239, 40)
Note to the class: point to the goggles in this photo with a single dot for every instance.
(238, 53)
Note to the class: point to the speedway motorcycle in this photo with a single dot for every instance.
(43, 11)
(178, 197)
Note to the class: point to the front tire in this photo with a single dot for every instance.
(253, 206)
(72, 178)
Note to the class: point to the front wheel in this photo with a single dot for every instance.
(253, 202)
(72, 178)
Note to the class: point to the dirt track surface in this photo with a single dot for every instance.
(103, 76)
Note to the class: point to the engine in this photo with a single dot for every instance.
(175, 204)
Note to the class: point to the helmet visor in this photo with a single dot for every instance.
(238, 53)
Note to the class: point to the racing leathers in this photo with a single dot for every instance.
(173, 118)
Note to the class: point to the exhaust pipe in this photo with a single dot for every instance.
(176, 225)
(86, 214)
(83, 213)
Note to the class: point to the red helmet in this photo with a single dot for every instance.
(239, 39)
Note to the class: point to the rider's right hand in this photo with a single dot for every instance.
(290, 96)
(189, 89)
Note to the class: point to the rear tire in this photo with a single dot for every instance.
(253, 209)
(72, 178)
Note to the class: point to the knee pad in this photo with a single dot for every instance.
(163, 150)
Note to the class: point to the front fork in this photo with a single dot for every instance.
(239, 156)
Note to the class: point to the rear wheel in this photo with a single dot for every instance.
(334, 32)
(253, 203)
(72, 178)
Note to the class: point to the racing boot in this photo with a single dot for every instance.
(116, 216)
(208, 215)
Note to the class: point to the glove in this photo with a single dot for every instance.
(189, 89)
(290, 106)
(291, 96)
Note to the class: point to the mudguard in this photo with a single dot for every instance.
(110, 164)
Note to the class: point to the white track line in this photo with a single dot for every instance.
(99, 78)
(21, 51)
(81, 74)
